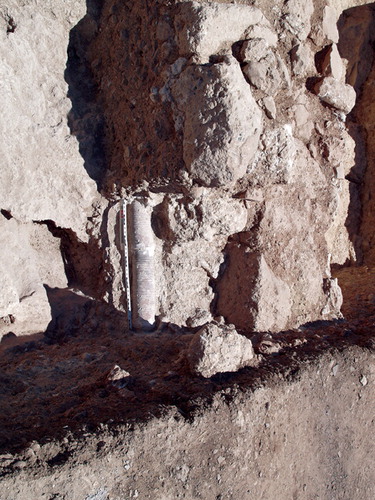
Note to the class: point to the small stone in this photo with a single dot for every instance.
(217, 349)
(335, 370)
(269, 347)
(20, 464)
(340, 172)
(254, 50)
(330, 24)
(363, 380)
(263, 74)
(333, 65)
(118, 377)
(270, 107)
(200, 318)
(337, 94)
(302, 59)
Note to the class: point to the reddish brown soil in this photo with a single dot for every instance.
(49, 386)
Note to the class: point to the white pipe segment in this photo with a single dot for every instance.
(125, 257)
(142, 250)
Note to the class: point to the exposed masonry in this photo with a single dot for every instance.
(227, 103)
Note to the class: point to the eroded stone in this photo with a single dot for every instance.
(217, 349)
(337, 94)
(222, 122)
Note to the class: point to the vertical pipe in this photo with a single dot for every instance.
(142, 249)
(125, 249)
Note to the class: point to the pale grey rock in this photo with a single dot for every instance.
(217, 349)
(30, 258)
(273, 299)
(209, 29)
(363, 380)
(263, 74)
(333, 65)
(269, 346)
(298, 18)
(270, 107)
(337, 94)
(302, 58)
(329, 25)
(101, 494)
(200, 317)
(42, 175)
(189, 266)
(302, 117)
(340, 172)
(333, 296)
(250, 295)
(117, 375)
(207, 216)
(254, 50)
(221, 122)
(284, 73)
(265, 32)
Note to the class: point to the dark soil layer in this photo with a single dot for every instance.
(52, 386)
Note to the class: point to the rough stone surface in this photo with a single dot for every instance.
(337, 94)
(215, 349)
(209, 29)
(329, 25)
(221, 122)
(257, 190)
(38, 264)
(333, 65)
(302, 60)
(209, 123)
(297, 19)
(43, 175)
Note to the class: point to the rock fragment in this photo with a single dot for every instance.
(302, 59)
(118, 377)
(337, 94)
(298, 19)
(254, 49)
(204, 30)
(333, 65)
(270, 107)
(217, 349)
(329, 24)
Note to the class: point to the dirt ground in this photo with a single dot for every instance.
(58, 402)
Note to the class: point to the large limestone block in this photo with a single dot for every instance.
(42, 175)
(30, 258)
(209, 215)
(209, 29)
(250, 295)
(189, 267)
(221, 122)
(216, 349)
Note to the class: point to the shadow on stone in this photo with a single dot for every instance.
(86, 118)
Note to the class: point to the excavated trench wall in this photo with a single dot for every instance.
(229, 118)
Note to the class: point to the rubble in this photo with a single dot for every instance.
(337, 94)
(217, 349)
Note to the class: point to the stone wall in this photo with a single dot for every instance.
(229, 118)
